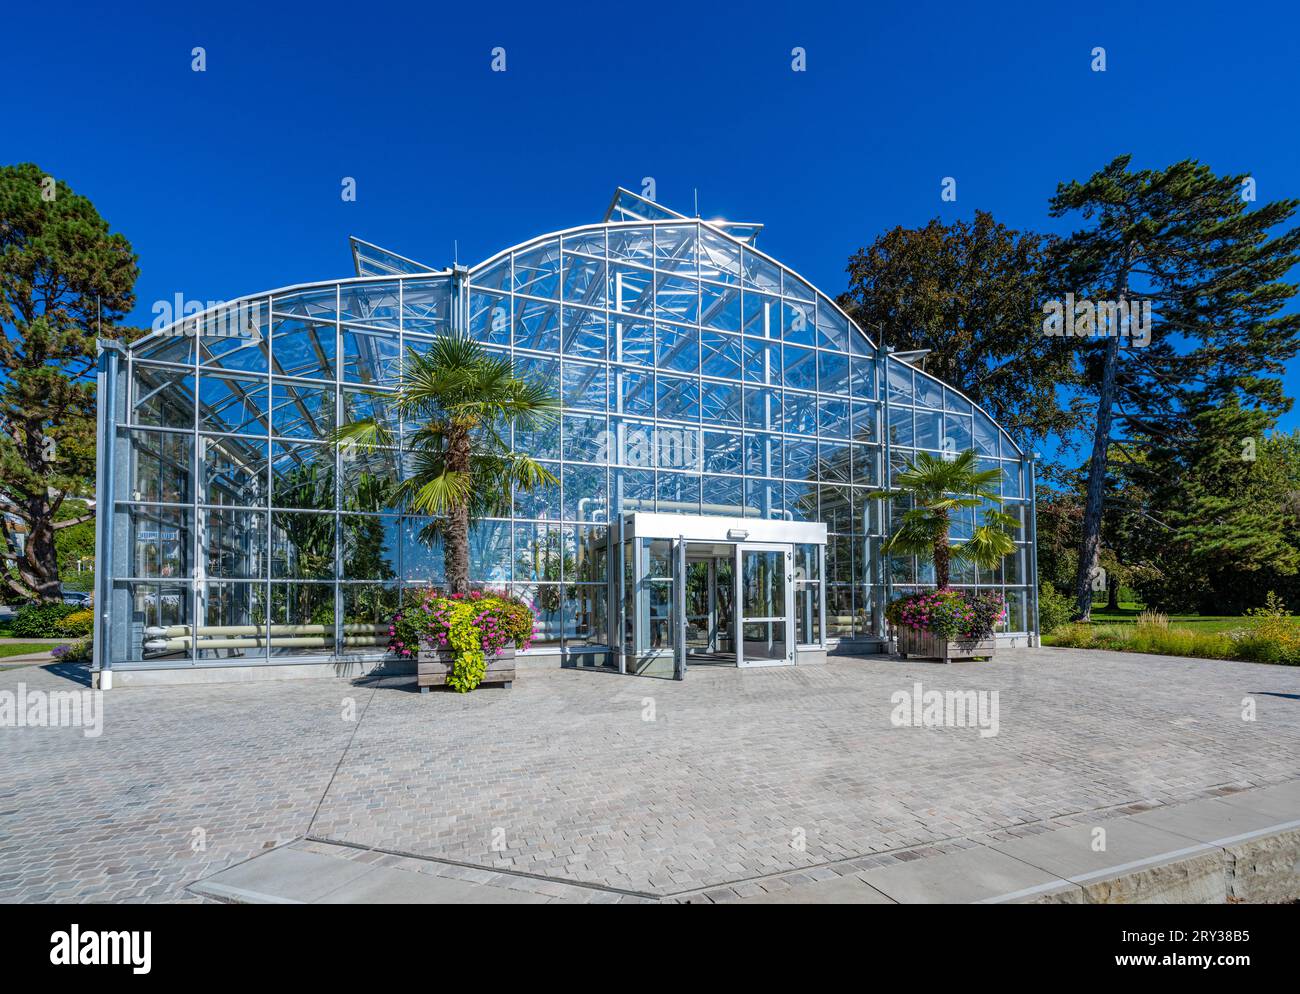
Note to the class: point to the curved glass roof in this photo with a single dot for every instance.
(644, 261)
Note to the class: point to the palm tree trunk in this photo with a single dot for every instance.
(457, 534)
(942, 555)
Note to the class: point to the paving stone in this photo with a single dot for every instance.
(561, 777)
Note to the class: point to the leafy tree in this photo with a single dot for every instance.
(1182, 239)
(937, 487)
(1228, 504)
(462, 401)
(62, 273)
(971, 293)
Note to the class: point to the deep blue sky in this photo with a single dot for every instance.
(227, 182)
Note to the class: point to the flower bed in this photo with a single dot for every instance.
(949, 614)
(947, 624)
(469, 630)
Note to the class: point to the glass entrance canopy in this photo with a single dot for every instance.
(699, 378)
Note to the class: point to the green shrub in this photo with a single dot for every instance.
(77, 624)
(42, 621)
(1074, 635)
(1054, 609)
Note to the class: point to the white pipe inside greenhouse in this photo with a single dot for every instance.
(277, 642)
(177, 631)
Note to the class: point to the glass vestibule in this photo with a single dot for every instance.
(720, 591)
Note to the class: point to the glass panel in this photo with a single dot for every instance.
(720, 307)
(321, 304)
(762, 361)
(546, 602)
(762, 583)
(151, 605)
(585, 385)
(633, 243)
(834, 418)
(239, 609)
(797, 323)
(719, 257)
(303, 348)
(720, 355)
(585, 495)
(162, 398)
(800, 368)
(808, 629)
(236, 338)
(302, 545)
(370, 357)
(421, 551)
(299, 411)
(763, 455)
(584, 280)
(629, 290)
(678, 398)
(679, 493)
(584, 613)
(678, 348)
(367, 609)
(161, 542)
(541, 553)
(489, 317)
(929, 392)
(762, 408)
(495, 276)
(374, 304)
(760, 273)
(633, 342)
(160, 466)
(234, 471)
(832, 327)
(800, 413)
(543, 501)
(723, 452)
(302, 476)
(302, 619)
(237, 405)
(426, 306)
(633, 391)
(489, 551)
(537, 325)
(585, 333)
(676, 248)
(235, 541)
(370, 546)
(586, 438)
(677, 298)
(720, 403)
(537, 270)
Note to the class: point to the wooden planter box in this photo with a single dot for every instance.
(433, 665)
(925, 646)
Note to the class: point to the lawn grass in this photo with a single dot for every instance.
(24, 648)
(1128, 615)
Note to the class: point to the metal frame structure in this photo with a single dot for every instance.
(699, 377)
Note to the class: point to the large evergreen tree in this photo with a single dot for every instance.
(1183, 239)
(62, 276)
(971, 293)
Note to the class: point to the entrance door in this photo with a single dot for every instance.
(764, 577)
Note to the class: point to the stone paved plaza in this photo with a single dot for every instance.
(743, 776)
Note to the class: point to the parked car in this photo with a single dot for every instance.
(78, 598)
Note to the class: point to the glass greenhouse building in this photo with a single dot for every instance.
(723, 423)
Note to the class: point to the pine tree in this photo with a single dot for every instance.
(62, 275)
(1184, 240)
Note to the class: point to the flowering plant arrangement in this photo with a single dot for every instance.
(949, 614)
(471, 626)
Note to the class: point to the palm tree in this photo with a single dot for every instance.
(937, 487)
(458, 401)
